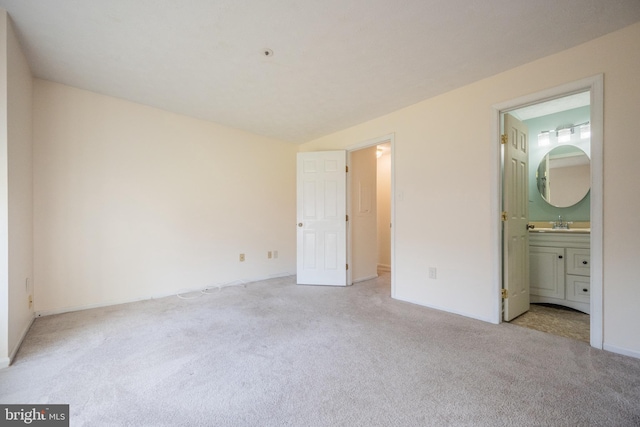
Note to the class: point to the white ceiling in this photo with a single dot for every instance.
(553, 106)
(336, 63)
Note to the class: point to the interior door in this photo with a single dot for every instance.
(516, 206)
(321, 213)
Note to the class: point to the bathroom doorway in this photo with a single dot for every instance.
(563, 251)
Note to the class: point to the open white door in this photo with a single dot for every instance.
(322, 225)
(516, 206)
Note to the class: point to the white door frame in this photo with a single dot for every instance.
(390, 138)
(595, 85)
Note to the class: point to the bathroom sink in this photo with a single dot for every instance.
(561, 230)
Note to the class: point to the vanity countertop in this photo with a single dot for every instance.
(561, 230)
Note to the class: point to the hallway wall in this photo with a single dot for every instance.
(384, 211)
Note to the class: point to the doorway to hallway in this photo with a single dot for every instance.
(370, 207)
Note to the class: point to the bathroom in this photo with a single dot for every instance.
(559, 215)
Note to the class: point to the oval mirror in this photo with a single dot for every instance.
(564, 176)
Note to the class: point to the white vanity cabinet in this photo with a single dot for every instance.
(559, 268)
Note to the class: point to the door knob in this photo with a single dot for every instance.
(585, 262)
(299, 224)
(560, 256)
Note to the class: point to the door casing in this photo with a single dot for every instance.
(595, 86)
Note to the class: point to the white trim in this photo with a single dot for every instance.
(384, 267)
(623, 351)
(5, 362)
(595, 85)
(13, 353)
(371, 142)
(364, 279)
(496, 223)
(391, 139)
(597, 212)
(446, 310)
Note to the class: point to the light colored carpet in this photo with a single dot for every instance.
(558, 321)
(276, 354)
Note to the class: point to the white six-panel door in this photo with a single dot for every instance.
(516, 206)
(321, 213)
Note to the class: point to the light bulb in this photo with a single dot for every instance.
(564, 135)
(543, 139)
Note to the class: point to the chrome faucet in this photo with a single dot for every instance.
(561, 224)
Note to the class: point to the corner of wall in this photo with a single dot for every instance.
(4, 237)
(18, 204)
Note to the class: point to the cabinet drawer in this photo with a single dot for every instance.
(578, 262)
(578, 288)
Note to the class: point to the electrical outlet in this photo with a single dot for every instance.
(269, 255)
(275, 254)
(433, 273)
(241, 257)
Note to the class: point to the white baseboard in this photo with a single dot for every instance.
(363, 279)
(620, 350)
(42, 313)
(384, 267)
(5, 362)
(435, 307)
(22, 335)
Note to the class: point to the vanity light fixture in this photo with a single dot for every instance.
(564, 134)
(544, 138)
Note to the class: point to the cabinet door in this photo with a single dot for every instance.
(546, 272)
(578, 262)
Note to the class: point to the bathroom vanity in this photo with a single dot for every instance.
(559, 267)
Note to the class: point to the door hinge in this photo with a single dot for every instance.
(504, 138)
(347, 266)
(346, 168)
(505, 294)
(347, 217)
(504, 215)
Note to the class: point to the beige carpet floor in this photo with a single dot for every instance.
(276, 354)
(555, 320)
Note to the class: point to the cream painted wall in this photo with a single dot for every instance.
(363, 207)
(4, 196)
(20, 173)
(133, 202)
(16, 192)
(383, 201)
(445, 178)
